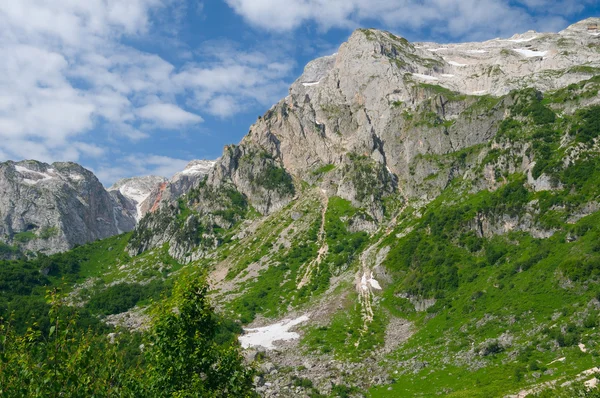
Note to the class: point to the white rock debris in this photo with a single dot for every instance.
(454, 63)
(523, 40)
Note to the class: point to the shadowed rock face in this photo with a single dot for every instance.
(51, 208)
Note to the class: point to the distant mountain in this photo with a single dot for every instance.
(178, 185)
(51, 208)
(137, 190)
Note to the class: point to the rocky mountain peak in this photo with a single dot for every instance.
(137, 190)
(194, 168)
(51, 208)
(169, 190)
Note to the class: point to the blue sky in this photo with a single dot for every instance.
(137, 87)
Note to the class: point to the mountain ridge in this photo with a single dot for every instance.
(378, 233)
(49, 208)
(376, 206)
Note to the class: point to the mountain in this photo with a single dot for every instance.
(51, 208)
(413, 219)
(137, 190)
(179, 184)
(411, 209)
(366, 120)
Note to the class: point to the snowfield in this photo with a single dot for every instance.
(531, 53)
(267, 335)
(200, 168)
(522, 40)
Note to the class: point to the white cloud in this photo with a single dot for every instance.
(64, 72)
(167, 115)
(234, 79)
(457, 18)
(139, 164)
(223, 106)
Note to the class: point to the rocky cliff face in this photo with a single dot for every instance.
(365, 122)
(51, 208)
(385, 98)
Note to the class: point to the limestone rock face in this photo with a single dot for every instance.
(51, 208)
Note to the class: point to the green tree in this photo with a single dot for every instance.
(184, 357)
(66, 362)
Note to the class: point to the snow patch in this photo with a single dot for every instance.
(558, 360)
(480, 92)
(76, 177)
(447, 75)
(267, 335)
(531, 53)
(37, 176)
(197, 169)
(522, 40)
(456, 63)
(134, 193)
(365, 282)
(425, 77)
(374, 284)
(434, 50)
(310, 84)
(477, 51)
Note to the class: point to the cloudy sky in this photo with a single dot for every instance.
(137, 87)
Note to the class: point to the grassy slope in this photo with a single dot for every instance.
(535, 291)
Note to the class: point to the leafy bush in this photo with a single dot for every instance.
(589, 127)
(182, 356)
(123, 296)
(274, 178)
(24, 237)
